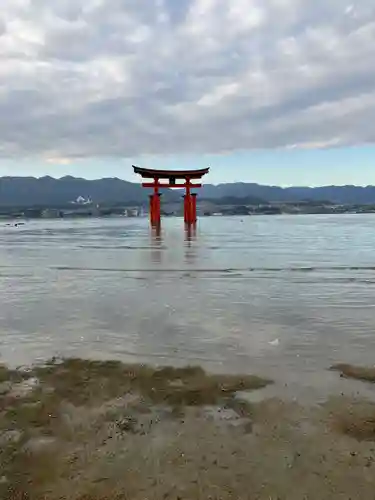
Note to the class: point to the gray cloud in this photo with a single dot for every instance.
(127, 77)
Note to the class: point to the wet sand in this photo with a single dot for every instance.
(86, 430)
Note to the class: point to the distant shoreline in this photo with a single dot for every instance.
(32, 213)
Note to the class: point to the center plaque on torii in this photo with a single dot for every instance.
(172, 179)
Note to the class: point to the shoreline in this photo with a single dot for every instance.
(94, 430)
(8, 219)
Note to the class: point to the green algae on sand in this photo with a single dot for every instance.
(366, 374)
(84, 382)
(74, 401)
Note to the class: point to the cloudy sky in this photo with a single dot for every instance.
(279, 91)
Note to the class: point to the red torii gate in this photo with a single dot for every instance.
(172, 176)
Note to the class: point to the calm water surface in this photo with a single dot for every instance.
(282, 296)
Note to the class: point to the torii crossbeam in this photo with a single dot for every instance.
(172, 179)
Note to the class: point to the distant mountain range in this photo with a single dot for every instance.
(336, 194)
(47, 191)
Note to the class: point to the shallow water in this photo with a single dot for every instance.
(283, 296)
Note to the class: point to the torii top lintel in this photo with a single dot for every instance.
(168, 174)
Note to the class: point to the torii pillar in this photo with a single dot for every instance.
(190, 205)
(171, 176)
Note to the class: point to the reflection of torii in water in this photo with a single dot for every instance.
(190, 234)
(190, 237)
(156, 245)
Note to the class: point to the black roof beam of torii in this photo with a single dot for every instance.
(168, 174)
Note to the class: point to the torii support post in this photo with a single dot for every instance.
(190, 199)
(194, 208)
(186, 208)
(190, 207)
(155, 212)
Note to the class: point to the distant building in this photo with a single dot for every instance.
(51, 213)
(132, 212)
(82, 201)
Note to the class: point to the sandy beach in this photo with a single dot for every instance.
(87, 430)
